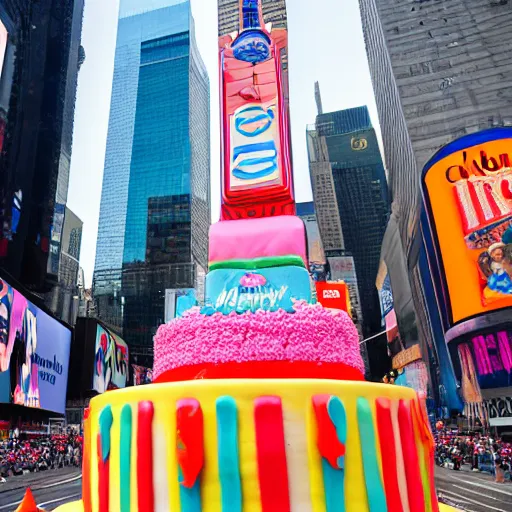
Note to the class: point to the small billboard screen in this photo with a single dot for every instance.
(34, 354)
(110, 362)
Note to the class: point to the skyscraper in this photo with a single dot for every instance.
(155, 205)
(63, 299)
(40, 55)
(354, 184)
(439, 71)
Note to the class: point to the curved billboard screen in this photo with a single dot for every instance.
(34, 354)
(467, 190)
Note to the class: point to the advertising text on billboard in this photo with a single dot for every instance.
(34, 354)
(468, 195)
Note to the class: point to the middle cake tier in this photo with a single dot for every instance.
(311, 342)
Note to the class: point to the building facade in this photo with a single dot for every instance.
(155, 206)
(40, 56)
(439, 71)
(316, 255)
(353, 182)
(64, 297)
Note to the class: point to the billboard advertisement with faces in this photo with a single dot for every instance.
(467, 190)
(34, 354)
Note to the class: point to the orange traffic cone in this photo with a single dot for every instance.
(29, 503)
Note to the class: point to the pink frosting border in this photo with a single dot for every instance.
(311, 334)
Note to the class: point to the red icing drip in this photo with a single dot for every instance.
(270, 443)
(86, 463)
(189, 440)
(329, 446)
(411, 459)
(388, 449)
(421, 417)
(262, 370)
(145, 456)
(103, 479)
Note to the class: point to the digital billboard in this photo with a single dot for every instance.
(333, 295)
(177, 301)
(34, 354)
(110, 361)
(3, 45)
(467, 190)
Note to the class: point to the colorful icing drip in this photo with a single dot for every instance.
(411, 459)
(228, 456)
(190, 452)
(388, 452)
(105, 424)
(125, 445)
(427, 441)
(270, 443)
(331, 422)
(86, 463)
(145, 496)
(374, 487)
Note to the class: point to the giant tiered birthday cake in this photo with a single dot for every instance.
(259, 401)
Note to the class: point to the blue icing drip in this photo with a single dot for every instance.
(374, 487)
(190, 499)
(334, 479)
(125, 444)
(334, 486)
(105, 423)
(228, 457)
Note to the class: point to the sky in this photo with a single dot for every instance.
(325, 44)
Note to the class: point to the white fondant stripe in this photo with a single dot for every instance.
(160, 477)
(297, 461)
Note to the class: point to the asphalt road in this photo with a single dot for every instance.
(50, 488)
(471, 492)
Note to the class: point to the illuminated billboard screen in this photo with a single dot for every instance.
(110, 361)
(467, 190)
(34, 354)
(333, 295)
(3, 45)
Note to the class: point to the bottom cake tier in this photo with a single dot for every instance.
(258, 445)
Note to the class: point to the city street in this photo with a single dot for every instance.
(473, 492)
(50, 488)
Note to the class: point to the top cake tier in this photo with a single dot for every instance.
(311, 342)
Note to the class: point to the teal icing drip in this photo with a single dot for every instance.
(190, 499)
(106, 419)
(125, 456)
(374, 487)
(334, 479)
(228, 456)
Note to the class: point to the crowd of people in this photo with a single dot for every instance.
(40, 454)
(483, 453)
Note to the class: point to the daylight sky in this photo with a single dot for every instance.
(325, 44)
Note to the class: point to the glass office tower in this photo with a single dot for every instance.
(155, 206)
